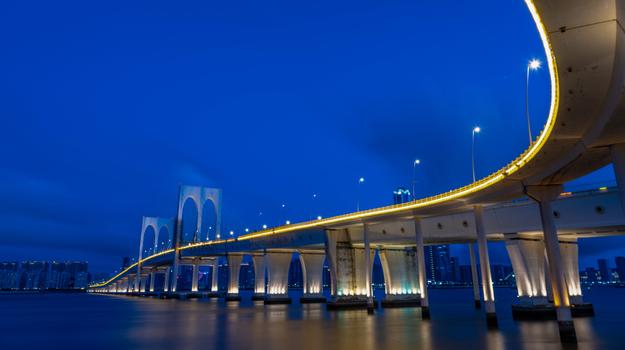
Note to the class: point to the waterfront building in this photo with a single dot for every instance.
(401, 195)
(620, 268)
(604, 271)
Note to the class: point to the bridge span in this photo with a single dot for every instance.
(584, 43)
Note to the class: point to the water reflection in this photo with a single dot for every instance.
(131, 323)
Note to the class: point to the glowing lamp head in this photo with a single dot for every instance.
(264, 227)
(417, 161)
(218, 236)
(319, 217)
(247, 230)
(361, 180)
(477, 129)
(288, 222)
(534, 64)
(231, 233)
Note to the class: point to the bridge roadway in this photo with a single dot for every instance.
(584, 44)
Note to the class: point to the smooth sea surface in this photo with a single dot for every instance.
(84, 321)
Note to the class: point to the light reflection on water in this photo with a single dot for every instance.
(114, 322)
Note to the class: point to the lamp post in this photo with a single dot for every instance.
(283, 214)
(314, 200)
(532, 65)
(414, 177)
(476, 130)
(361, 180)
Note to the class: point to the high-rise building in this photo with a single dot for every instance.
(454, 269)
(620, 268)
(125, 262)
(437, 264)
(465, 275)
(296, 277)
(9, 275)
(604, 271)
(246, 276)
(592, 275)
(401, 195)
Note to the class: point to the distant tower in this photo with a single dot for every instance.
(125, 262)
(603, 270)
(401, 195)
(620, 268)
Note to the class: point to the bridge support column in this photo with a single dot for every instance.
(544, 195)
(136, 283)
(368, 266)
(312, 268)
(215, 276)
(195, 276)
(166, 280)
(569, 251)
(618, 162)
(260, 282)
(234, 267)
(401, 277)
(174, 273)
(278, 277)
(527, 256)
(349, 290)
(423, 284)
(487, 280)
(474, 277)
(152, 280)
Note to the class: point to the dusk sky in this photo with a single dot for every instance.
(108, 107)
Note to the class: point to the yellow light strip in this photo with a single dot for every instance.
(130, 268)
(481, 184)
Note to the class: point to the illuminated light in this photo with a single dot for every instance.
(264, 227)
(534, 64)
(231, 233)
(319, 217)
(218, 236)
(247, 230)
(565, 194)
(603, 188)
(477, 129)
(361, 180)
(288, 222)
(417, 161)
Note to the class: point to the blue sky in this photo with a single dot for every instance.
(108, 107)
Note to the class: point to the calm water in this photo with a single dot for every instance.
(66, 321)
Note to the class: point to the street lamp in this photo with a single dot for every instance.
(476, 130)
(532, 65)
(414, 176)
(361, 180)
(314, 197)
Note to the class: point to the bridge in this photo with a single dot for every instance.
(522, 204)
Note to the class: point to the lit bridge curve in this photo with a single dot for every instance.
(584, 45)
